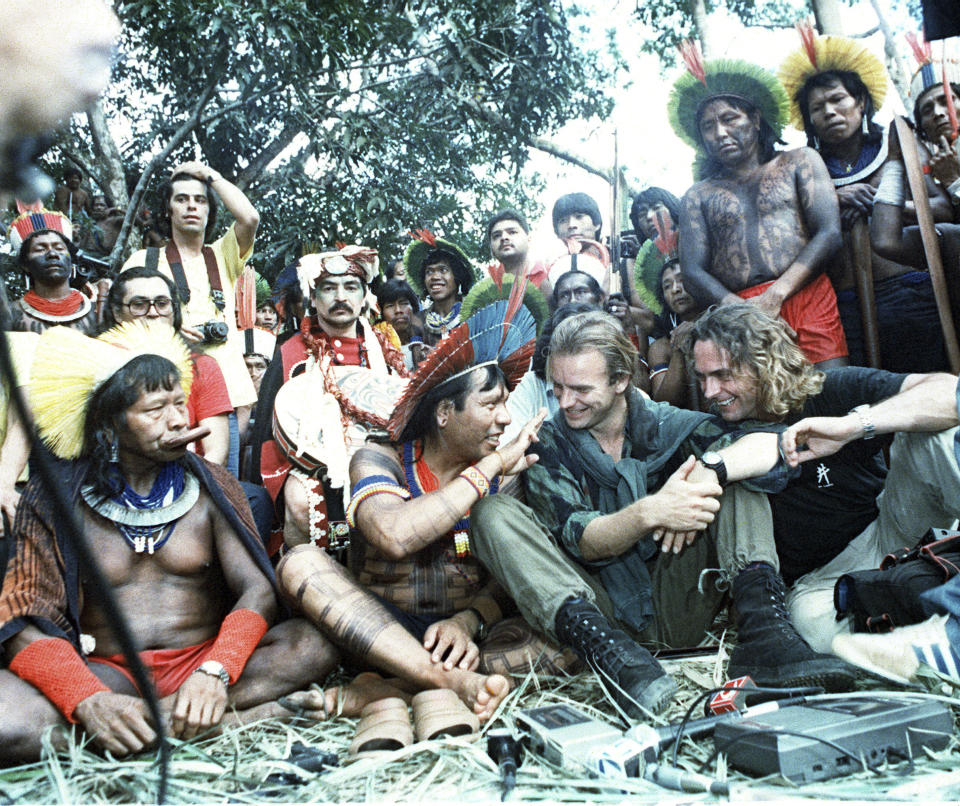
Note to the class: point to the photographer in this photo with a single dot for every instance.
(205, 274)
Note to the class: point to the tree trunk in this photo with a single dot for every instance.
(899, 74)
(827, 14)
(698, 10)
(108, 155)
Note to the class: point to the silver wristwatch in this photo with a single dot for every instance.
(869, 429)
(215, 669)
(714, 461)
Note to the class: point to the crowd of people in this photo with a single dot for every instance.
(439, 477)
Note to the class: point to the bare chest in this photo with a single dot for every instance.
(188, 553)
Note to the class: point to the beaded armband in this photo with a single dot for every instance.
(369, 486)
(477, 480)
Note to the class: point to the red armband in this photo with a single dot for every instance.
(239, 635)
(55, 667)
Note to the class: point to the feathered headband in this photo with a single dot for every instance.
(931, 73)
(721, 78)
(493, 289)
(503, 333)
(69, 367)
(34, 218)
(822, 54)
(360, 261)
(424, 242)
(653, 256)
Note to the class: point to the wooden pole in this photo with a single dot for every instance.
(862, 257)
(931, 246)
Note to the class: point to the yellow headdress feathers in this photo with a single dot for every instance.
(69, 367)
(820, 54)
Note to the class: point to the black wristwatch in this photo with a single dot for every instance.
(482, 630)
(714, 461)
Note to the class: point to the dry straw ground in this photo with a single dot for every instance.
(248, 765)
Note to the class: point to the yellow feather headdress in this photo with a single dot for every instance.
(69, 367)
(820, 54)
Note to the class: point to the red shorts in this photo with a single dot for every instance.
(168, 668)
(812, 313)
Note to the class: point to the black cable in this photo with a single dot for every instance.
(793, 690)
(784, 732)
(99, 586)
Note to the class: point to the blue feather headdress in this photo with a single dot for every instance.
(502, 333)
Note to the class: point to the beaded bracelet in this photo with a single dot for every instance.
(474, 476)
(362, 493)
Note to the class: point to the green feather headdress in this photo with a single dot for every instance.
(488, 291)
(718, 78)
(424, 242)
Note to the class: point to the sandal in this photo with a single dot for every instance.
(384, 725)
(439, 712)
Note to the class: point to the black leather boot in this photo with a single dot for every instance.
(630, 671)
(769, 648)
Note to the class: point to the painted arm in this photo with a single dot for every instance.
(695, 255)
(820, 210)
(399, 527)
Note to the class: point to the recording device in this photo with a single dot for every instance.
(214, 331)
(505, 751)
(804, 739)
(570, 739)
(790, 741)
(629, 244)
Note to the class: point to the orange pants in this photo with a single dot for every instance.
(168, 668)
(812, 313)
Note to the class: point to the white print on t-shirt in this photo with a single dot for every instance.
(823, 480)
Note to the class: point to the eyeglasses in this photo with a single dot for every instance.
(139, 306)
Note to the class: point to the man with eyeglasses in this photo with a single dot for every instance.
(141, 293)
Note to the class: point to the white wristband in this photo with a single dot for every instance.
(954, 191)
(891, 190)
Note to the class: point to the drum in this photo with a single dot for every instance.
(306, 418)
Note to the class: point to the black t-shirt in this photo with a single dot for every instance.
(834, 499)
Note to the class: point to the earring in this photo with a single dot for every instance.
(114, 451)
(865, 124)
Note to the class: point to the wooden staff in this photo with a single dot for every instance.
(931, 246)
(861, 256)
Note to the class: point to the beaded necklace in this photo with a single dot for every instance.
(167, 488)
(441, 323)
(421, 479)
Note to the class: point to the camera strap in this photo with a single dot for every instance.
(172, 254)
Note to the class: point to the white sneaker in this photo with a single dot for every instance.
(897, 655)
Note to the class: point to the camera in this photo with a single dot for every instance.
(88, 269)
(214, 332)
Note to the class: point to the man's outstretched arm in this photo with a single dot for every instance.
(925, 402)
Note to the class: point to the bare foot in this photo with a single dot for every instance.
(483, 693)
(364, 688)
